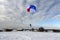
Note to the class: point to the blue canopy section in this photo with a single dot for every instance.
(33, 7)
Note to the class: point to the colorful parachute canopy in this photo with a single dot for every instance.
(28, 9)
(31, 7)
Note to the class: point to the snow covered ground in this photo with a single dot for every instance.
(29, 36)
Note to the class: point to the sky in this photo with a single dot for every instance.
(13, 13)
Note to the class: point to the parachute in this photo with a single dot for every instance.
(31, 7)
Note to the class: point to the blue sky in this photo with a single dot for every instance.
(13, 13)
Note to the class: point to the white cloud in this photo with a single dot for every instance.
(3, 17)
(2, 9)
(57, 17)
(2, 0)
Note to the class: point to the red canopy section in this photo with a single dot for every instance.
(28, 9)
